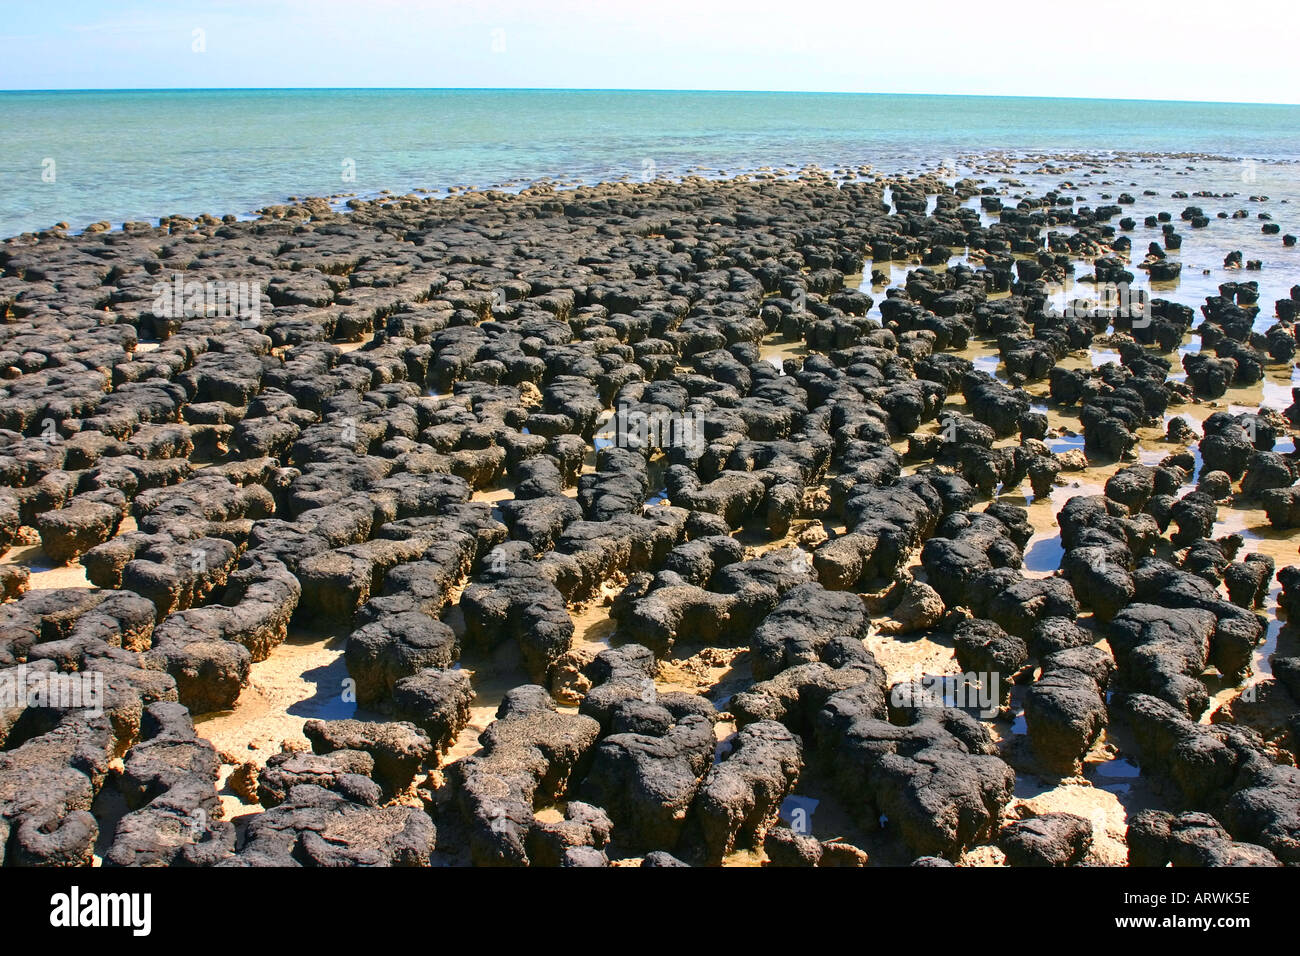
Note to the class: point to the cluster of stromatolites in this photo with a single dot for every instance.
(247, 472)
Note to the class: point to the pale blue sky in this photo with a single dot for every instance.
(1192, 50)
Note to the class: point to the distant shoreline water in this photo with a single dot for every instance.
(82, 157)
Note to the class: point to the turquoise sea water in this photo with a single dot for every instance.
(82, 157)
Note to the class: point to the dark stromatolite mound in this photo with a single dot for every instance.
(648, 781)
(529, 757)
(398, 749)
(738, 799)
(658, 611)
(1159, 838)
(1065, 710)
(936, 779)
(800, 627)
(1053, 839)
(344, 771)
(169, 782)
(1221, 769)
(319, 827)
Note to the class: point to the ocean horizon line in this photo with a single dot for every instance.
(640, 90)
